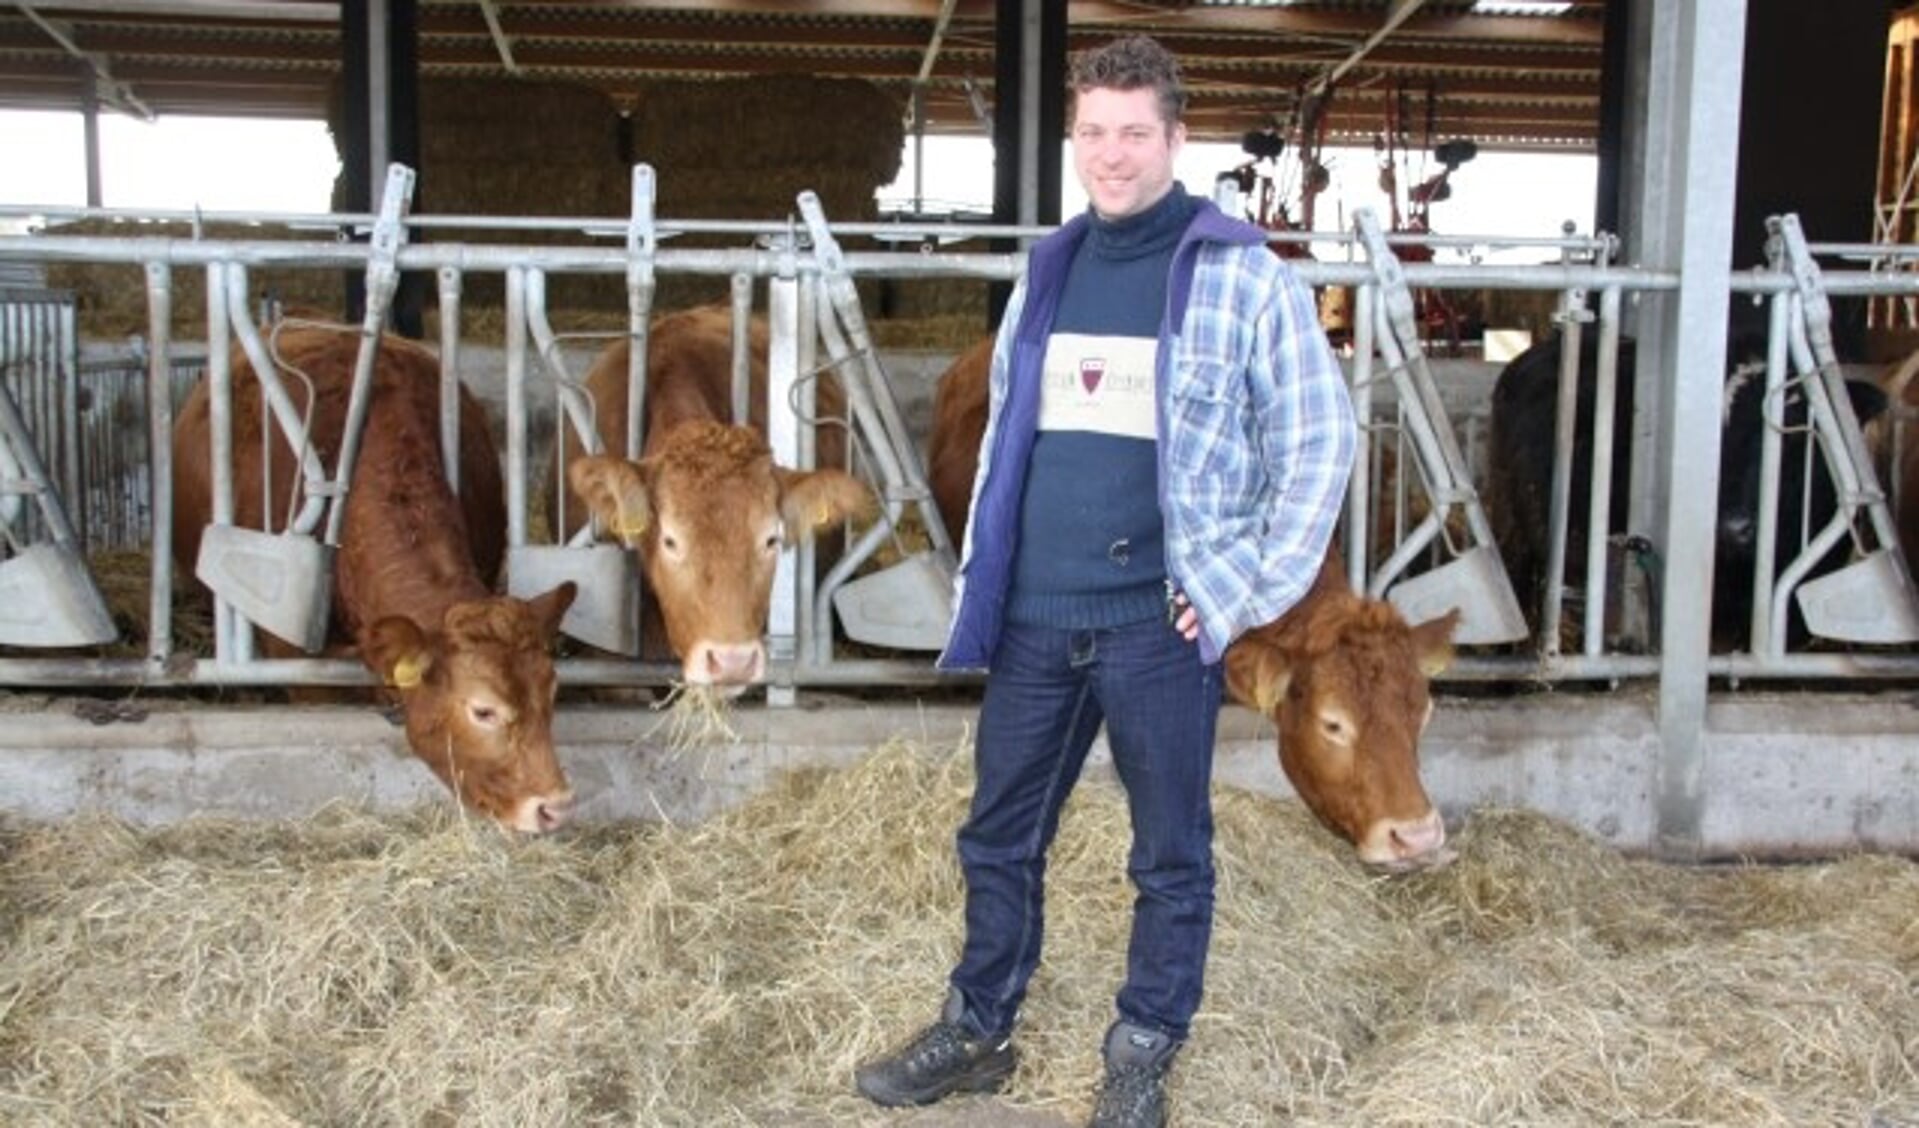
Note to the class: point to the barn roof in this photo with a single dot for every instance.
(1507, 73)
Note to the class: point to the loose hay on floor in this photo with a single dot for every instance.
(426, 969)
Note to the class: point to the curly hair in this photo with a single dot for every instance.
(1129, 63)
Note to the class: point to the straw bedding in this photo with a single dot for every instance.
(424, 969)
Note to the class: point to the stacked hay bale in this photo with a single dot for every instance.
(745, 149)
(727, 149)
(732, 149)
(517, 148)
(112, 297)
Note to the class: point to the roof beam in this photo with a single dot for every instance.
(291, 11)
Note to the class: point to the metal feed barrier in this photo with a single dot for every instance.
(47, 595)
(1474, 581)
(797, 272)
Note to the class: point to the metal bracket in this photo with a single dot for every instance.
(1871, 599)
(283, 582)
(1473, 581)
(47, 596)
(916, 603)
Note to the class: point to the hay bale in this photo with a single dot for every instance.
(112, 298)
(515, 121)
(510, 147)
(425, 968)
(770, 123)
(519, 147)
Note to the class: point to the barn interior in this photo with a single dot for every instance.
(1607, 789)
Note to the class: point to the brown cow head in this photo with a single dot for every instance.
(1348, 692)
(708, 512)
(478, 693)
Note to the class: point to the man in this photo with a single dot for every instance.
(1167, 447)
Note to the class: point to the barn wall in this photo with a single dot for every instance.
(1785, 777)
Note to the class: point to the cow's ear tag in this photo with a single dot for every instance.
(1432, 665)
(822, 515)
(408, 671)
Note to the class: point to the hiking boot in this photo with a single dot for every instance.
(1133, 1093)
(942, 1059)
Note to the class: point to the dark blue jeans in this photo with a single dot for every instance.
(1046, 697)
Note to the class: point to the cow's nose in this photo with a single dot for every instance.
(731, 663)
(1416, 838)
(553, 812)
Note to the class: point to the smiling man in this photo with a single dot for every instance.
(1167, 445)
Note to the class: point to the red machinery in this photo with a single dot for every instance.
(1437, 317)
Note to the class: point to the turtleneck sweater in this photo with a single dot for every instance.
(1091, 549)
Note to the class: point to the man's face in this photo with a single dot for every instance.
(1122, 150)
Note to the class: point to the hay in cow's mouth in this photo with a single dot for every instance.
(431, 969)
(692, 716)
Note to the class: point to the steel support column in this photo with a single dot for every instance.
(1683, 223)
(1029, 117)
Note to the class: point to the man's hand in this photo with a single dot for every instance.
(1184, 619)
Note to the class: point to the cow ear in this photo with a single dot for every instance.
(550, 608)
(1433, 642)
(615, 490)
(398, 650)
(812, 500)
(1257, 673)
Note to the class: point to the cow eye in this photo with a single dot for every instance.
(1337, 728)
(772, 543)
(485, 715)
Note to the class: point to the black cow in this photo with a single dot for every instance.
(1520, 475)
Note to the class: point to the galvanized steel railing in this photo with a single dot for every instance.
(780, 260)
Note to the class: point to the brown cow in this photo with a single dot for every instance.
(705, 507)
(412, 581)
(1344, 678)
(952, 450)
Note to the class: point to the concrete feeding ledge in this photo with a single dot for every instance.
(1785, 776)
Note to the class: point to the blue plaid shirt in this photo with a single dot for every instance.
(1256, 436)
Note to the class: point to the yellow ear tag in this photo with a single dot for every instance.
(408, 671)
(822, 515)
(629, 527)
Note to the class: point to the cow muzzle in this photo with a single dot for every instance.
(1407, 845)
(725, 666)
(542, 814)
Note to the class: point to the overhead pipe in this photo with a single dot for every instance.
(108, 88)
(500, 42)
(1398, 14)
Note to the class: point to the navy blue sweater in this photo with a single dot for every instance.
(1091, 543)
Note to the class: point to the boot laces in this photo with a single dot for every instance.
(935, 1047)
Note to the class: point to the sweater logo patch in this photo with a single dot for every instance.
(1091, 369)
(1098, 385)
